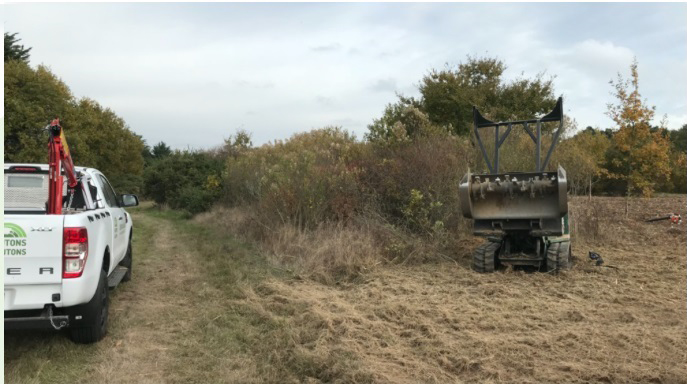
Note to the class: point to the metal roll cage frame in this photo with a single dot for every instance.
(480, 122)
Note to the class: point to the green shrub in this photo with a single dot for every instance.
(327, 176)
(308, 179)
(126, 183)
(186, 180)
(194, 199)
(415, 185)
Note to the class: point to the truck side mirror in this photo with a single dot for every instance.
(129, 200)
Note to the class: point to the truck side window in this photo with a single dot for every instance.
(109, 192)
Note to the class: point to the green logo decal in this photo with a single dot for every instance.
(15, 240)
(13, 230)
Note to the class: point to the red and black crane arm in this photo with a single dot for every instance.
(59, 158)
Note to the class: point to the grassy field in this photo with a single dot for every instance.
(204, 307)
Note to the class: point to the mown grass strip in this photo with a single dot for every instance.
(235, 336)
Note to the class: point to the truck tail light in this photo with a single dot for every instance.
(75, 252)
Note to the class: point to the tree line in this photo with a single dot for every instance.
(632, 157)
(97, 136)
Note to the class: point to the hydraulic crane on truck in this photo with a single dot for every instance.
(59, 158)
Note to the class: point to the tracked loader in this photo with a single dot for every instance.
(523, 215)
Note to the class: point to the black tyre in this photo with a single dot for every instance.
(97, 313)
(484, 257)
(127, 262)
(558, 257)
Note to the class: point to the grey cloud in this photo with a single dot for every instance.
(384, 85)
(327, 48)
(344, 122)
(389, 54)
(323, 100)
(255, 84)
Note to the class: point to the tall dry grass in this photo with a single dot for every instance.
(327, 253)
(333, 252)
(601, 222)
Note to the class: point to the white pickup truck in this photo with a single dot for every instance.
(59, 268)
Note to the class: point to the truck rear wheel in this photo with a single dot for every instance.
(484, 257)
(97, 310)
(558, 257)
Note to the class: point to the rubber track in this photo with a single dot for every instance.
(558, 257)
(483, 258)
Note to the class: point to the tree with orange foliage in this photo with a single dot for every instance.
(640, 157)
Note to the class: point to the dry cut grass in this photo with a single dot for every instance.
(440, 322)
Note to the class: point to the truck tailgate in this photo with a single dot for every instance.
(33, 249)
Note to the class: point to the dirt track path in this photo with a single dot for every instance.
(152, 319)
(151, 313)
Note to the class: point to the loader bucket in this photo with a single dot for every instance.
(533, 202)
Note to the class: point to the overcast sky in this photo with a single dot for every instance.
(191, 74)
